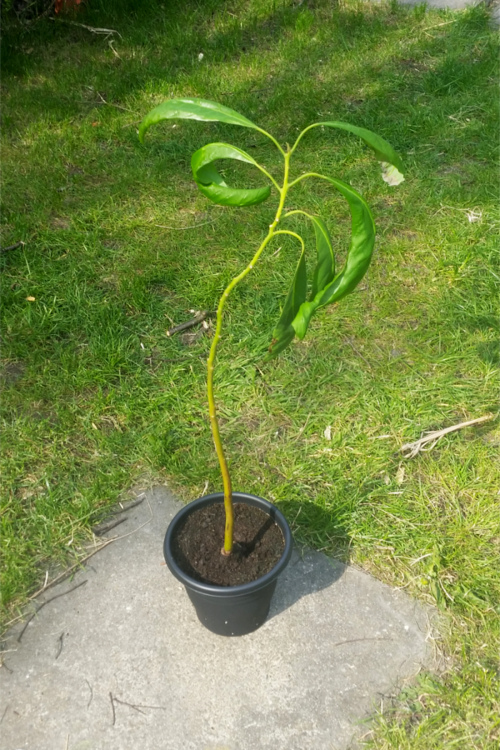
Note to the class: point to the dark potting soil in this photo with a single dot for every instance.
(258, 545)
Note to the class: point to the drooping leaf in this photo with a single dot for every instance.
(284, 333)
(295, 297)
(211, 183)
(360, 250)
(225, 196)
(324, 271)
(383, 150)
(277, 345)
(358, 258)
(193, 109)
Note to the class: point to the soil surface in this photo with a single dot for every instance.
(258, 545)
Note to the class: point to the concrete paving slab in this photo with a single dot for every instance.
(122, 663)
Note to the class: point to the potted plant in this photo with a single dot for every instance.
(230, 577)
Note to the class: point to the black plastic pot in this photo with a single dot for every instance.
(230, 610)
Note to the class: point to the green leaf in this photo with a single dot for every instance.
(358, 258)
(295, 298)
(360, 250)
(284, 333)
(277, 345)
(193, 109)
(211, 183)
(383, 150)
(324, 271)
(213, 151)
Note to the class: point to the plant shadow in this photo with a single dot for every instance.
(489, 352)
(309, 570)
(307, 573)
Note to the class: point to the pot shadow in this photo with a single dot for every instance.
(309, 571)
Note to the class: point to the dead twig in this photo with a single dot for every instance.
(111, 104)
(47, 601)
(410, 450)
(60, 647)
(125, 508)
(91, 693)
(130, 705)
(360, 640)
(131, 124)
(140, 705)
(134, 504)
(348, 340)
(110, 45)
(105, 527)
(92, 29)
(113, 708)
(3, 715)
(12, 247)
(198, 318)
(436, 25)
(133, 706)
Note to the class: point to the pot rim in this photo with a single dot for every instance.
(243, 588)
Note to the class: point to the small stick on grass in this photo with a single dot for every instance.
(198, 318)
(12, 247)
(92, 29)
(348, 340)
(111, 104)
(410, 450)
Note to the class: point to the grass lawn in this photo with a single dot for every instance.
(119, 245)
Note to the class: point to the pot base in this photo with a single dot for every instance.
(238, 616)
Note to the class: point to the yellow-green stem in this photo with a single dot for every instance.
(214, 423)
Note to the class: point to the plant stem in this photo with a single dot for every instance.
(214, 422)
